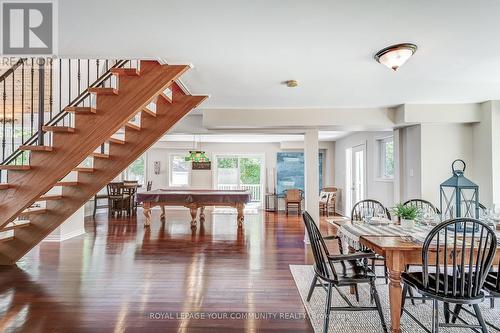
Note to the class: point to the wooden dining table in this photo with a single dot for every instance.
(399, 251)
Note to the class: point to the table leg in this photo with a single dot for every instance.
(162, 215)
(241, 215)
(202, 213)
(194, 212)
(147, 213)
(395, 264)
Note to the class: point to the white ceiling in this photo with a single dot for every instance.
(242, 50)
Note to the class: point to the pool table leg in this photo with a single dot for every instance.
(202, 213)
(147, 213)
(194, 211)
(162, 215)
(241, 216)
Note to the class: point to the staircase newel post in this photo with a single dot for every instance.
(41, 99)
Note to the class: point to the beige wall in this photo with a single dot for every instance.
(378, 189)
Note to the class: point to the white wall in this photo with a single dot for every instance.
(411, 172)
(441, 144)
(381, 190)
(203, 179)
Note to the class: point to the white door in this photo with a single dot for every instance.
(358, 179)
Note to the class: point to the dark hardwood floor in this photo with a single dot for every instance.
(118, 276)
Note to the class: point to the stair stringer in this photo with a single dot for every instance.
(70, 149)
(152, 129)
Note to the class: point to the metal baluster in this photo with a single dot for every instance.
(69, 89)
(60, 86)
(22, 105)
(4, 96)
(32, 97)
(13, 115)
(50, 87)
(79, 77)
(97, 71)
(41, 100)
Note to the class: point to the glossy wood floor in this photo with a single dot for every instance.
(118, 275)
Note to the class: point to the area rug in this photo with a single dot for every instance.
(369, 321)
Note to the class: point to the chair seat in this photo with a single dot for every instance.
(416, 280)
(352, 271)
(491, 283)
(118, 197)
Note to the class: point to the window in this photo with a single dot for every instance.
(386, 149)
(179, 170)
(135, 171)
(240, 172)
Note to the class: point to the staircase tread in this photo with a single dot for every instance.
(99, 155)
(115, 140)
(15, 167)
(81, 109)
(35, 148)
(58, 129)
(15, 224)
(35, 210)
(125, 71)
(133, 126)
(84, 169)
(104, 91)
(67, 183)
(4, 186)
(168, 99)
(148, 111)
(50, 197)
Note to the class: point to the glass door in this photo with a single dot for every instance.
(235, 172)
(358, 174)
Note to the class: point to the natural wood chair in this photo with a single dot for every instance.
(343, 270)
(327, 200)
(456, 273)
(293, 197)
(117, 199)
(130, 189)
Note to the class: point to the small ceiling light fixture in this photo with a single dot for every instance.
(395, 56)
(291, 83)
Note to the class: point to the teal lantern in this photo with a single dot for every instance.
(459, 196)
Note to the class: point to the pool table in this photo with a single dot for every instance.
(193, 199)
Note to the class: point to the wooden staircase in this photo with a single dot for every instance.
(70, 146)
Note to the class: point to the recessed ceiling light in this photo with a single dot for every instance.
(396, 55)
(291, 83)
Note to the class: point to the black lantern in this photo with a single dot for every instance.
(459, 196)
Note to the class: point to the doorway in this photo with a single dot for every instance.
(355, 176)
(240, 172)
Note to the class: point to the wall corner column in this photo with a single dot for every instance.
(311, 175)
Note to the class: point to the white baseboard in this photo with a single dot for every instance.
(62, 238)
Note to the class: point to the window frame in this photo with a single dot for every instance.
(382, 151)
(170, 170)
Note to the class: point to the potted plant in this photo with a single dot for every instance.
(406, 215)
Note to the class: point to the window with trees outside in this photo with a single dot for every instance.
(135, 171)
(240, 172)
(179, 170)
(386, 148)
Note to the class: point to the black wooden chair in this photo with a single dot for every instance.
(357, 214)
(423, 205)
(457, 256)
(334, 271)
(149, 185)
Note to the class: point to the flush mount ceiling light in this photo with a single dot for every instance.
(395, 56)
(291, 83)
